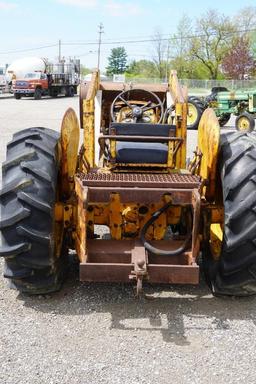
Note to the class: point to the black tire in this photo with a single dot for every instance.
(70, 92)
(223, 119)
(235, 273)
(27, 202)
(17, 96)
(245, 122)
(198, 108)
(38, 94)
(54, 92)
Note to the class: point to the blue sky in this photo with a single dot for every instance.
(29, 24)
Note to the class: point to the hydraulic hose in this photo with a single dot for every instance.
(156, 251)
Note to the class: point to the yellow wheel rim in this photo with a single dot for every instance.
(216, 239)
(192, 114)
(243, 124)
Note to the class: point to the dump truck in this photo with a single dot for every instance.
(130, 177)
(241, 103)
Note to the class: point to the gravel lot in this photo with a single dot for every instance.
(101, 334)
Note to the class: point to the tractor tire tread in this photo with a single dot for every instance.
(236, 269)
(27, 204)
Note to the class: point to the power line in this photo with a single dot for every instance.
(147, 40)
(152, 39)
(28, 49)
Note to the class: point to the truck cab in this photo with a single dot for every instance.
(33, 84)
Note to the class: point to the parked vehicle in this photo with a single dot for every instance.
(162, 216)
(20, 67)
(46, 78)
(241, 103)
(3, 81)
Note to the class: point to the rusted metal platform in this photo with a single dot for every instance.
(142, 188)
(171, 180)
(125, 260)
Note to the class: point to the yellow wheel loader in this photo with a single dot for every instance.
(130, 177)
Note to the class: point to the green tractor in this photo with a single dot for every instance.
(241, 103)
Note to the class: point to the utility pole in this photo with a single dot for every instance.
(59, 51)
(101, 29)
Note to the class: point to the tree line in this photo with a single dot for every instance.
(214, 46)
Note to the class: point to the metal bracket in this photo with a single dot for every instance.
(140, 261)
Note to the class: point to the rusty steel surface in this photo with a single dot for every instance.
(140, 195)
(111, 86)
(147, 180)
(126, 260)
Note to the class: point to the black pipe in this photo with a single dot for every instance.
(156, 251)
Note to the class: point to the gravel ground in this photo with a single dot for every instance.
(93, 333)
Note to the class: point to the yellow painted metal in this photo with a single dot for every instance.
(88, 110)
(216, 238)
(192, 114)
(243, 124)
(175, 88)
(124, 115)
(113, 148)
(69, 142)
(179, 96)
(160, 225)
(115, 216)
(208, 144)
(183, 148)
(80, 220)
(58, 228)
(217, 214)
(124, 220)
(58, 211)
(170, 160)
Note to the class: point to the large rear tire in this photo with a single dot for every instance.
(27, 200)
(235, 273)
(195, 110)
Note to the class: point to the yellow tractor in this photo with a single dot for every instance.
(130, 177)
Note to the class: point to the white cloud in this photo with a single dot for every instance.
(7, 6)
(80, 3)
(116, 8)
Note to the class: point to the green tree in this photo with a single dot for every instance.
(180, 47)
(142, 68)
(117, 61)
(214, 33)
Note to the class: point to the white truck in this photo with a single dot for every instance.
(3, 82)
